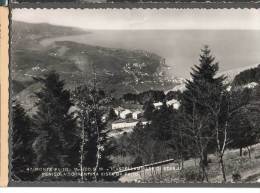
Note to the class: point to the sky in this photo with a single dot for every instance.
(134, 19)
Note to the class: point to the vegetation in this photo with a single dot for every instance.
(22, 140)
(144, 97)
(247, 76)
(55, 126)
(209, 121)
(70, 130)
(91, 105)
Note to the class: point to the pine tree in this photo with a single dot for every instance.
(56, 127)
(202, 103)
(23, 156)
(204, 87)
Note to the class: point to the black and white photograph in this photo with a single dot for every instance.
(162, 96)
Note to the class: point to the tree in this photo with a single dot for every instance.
(243, 132)
(148, 110)
(244, 126)
(23, 156)
(173, 95)
(56, 127)
(112, 115)
(130, 97)
(151, 95)
(201, 102)
(142, 145)
(255, 107)
(243, 118)
(179, 142)
(91, 105)
(160, 123)
(196, 130)
(220, 115)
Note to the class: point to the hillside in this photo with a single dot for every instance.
(29, 34)
(247, 167)
(247, 76)
(237, 77)
(118, 71)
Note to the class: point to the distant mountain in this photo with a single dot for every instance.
(118, 71)
(29, 34)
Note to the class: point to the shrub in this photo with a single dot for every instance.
(236, 176)
(190, 174)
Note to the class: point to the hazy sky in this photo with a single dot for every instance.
(144, 18)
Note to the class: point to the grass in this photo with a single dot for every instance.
(248, 168)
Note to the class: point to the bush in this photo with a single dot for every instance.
(191, 174)
(210, 160)
(137, 162)
(236, 176)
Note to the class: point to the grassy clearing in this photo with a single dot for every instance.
(248, 168)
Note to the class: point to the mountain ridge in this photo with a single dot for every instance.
(118, 71)
(230, 74)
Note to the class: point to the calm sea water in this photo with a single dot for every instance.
(181, 48)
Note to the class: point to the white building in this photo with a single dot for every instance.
(157, 105)
(125, 114)
(229, 88)
(118, 110)
(174, 103)
(137, 114)
(123, 124)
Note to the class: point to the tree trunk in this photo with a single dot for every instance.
(249, 152)
(195, 162)
(182, 162)
(205, 175)
(82, 149)
(205, 158)
(97, 165)
(81, 161)
(203, 168)
(223, 168)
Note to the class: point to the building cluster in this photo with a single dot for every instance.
(129, 118)
(126, 113)
(173, 102)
